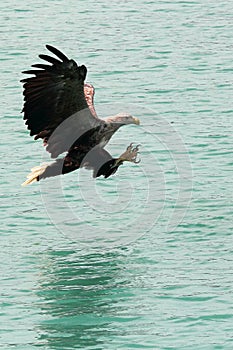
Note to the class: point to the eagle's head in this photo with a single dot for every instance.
(122, 119)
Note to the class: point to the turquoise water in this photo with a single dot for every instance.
(168, 285)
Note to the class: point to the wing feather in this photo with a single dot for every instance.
(57, 53)
(49, 59)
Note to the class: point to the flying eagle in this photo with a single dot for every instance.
(59, 109)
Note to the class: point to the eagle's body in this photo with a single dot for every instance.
(59, 108)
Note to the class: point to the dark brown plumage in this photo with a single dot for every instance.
(59, 108)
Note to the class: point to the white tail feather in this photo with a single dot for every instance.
(35, 172)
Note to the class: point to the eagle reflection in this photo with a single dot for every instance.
(80, 299)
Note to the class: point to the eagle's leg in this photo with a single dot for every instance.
(110, 167)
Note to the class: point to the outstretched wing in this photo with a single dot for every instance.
(53, 94)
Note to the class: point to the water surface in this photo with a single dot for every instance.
(171, 288)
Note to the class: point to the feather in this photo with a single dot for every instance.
(58, 53)
(50, 59)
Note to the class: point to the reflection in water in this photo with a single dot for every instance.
(79, 299)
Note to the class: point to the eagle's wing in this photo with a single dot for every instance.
(52, 95)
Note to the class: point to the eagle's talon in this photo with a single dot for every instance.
(131, 153)
(130, 147)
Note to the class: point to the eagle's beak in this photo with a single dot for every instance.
(136, 121)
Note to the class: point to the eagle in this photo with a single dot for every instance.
(59, 109)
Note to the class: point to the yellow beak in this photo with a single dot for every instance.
(136, 121)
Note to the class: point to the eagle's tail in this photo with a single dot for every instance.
(35, 174)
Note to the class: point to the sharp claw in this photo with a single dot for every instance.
(130, 146)
(131, 154)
